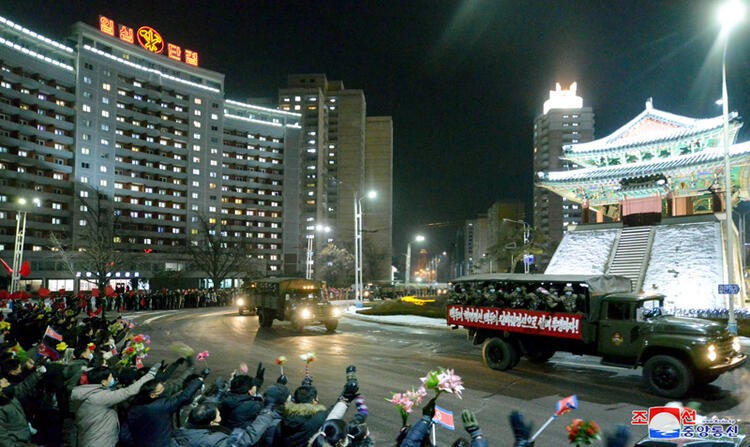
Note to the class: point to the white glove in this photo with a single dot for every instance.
(42, 369)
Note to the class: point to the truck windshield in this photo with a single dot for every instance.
(650, 309)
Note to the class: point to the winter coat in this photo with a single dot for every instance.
(417, 433)
(14, 428)
(96, 417)
(238, 410)
(151, 424)
(221, 436)
(299, 423)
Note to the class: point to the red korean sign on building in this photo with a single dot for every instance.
(561, 325)
(148, 39)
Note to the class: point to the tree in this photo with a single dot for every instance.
(213, 252)
(95, 249)
(336, 266)
(509, 246)
(373, 261)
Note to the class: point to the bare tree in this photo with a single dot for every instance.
(509, 247)
(213, 252)
(94, 248)
(336, 266)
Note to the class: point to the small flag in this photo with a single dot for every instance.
(444, 418)
(46, 351)
(53, 334)
(25, 269)
(566, 404)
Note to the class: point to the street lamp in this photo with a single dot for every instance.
(309, 261)
(526, 234)
(358, 245)
(407, 272)
(20, 236)
(730, 14)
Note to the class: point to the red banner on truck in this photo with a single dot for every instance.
(517, 320)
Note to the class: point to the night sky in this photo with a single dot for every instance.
(463, 80)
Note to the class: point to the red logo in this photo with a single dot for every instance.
(150, 39)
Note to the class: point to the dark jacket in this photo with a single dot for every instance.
(218, 436)
(14, 428)
(299, 423)
(151, 424)
(238, 410)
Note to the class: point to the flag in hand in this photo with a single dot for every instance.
(53, 334)
(444, 418)
(566, 404)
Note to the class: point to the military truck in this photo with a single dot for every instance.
(302, 302)
(534, 316)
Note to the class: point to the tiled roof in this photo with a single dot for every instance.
(644, 168)
(645, 129)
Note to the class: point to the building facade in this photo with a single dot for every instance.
(100, 119)
(564, 120)
(344, 154)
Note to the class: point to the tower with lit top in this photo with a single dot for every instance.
(564, 120)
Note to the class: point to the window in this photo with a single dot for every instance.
(82, 222)
(618, 311)
(86, 108)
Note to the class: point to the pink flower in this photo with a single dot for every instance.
(243, 368)
(450, 382)
(202, 356)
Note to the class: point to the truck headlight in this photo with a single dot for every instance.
(305, 314)
(336, 312)
(240, 302)
(711, 353)
(736, 347)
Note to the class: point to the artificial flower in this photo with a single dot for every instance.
(582, 432)
(4, 326)
(62, 346)
(243, 368)
(91, 347)
(202, 356)
(450, 382)
(138, 338)
(308, 357)
(281, 360)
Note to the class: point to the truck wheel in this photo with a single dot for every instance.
(331, 325)
(667, 376)
(265, 318)
(540, 355)
(499, 354)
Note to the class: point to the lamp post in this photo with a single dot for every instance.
(407, 270)
(309, 260)
(526, 235)
(20, 236)
(358, 245)
(730, 14)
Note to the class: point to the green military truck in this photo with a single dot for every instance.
(302, 302)
(515, 315)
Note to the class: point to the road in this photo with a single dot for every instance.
(391, 359)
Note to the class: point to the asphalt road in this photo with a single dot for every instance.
(392, 358)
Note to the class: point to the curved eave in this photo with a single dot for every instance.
(609, 143)
(737, 152)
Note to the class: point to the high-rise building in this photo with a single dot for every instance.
(564, 120)
(344, 155)
(102, 116)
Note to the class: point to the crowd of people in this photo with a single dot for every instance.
(69, 378)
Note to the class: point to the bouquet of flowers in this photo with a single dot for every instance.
(582, 432)
(406, 401)
(440, 381)
(202, 357)
(136, 350)
(281, 361)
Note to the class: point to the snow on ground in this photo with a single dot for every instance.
(686, 261)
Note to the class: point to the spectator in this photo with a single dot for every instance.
(96, 418)
(14, 427)
(204, 429)
(242, 404)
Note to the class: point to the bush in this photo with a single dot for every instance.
(435, 309)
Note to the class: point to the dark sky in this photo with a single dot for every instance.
(463, 80)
